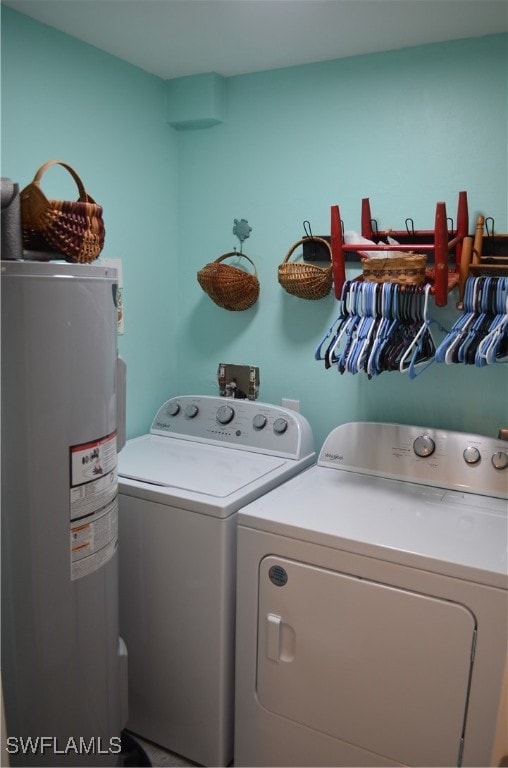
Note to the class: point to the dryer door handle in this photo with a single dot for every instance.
(273, 623)
(280, 639)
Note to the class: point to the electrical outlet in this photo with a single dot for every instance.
(293, 404)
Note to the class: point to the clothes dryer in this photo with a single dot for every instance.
(180, 488)
(373, 606)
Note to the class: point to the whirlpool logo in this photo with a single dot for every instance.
(162, 425)
(337, 458)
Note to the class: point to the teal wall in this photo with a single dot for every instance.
(63, 99)
(406, 128)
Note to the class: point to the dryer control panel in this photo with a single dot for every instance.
(246, 424)
(445, 459)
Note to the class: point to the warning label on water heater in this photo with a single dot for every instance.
(93, 504)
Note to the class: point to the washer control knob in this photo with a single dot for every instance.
(500, 460)
(259, 421)
(173, 408)
(471, 455)
(280, 426)
(225, 414)
(191, 411)
(424, 446)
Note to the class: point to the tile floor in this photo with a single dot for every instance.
(161, 758)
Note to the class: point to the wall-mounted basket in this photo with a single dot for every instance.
(307, 281)
(230, 287)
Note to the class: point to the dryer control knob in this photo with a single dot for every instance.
(471, 455)
(500, 460)
(424, 446)
(191, 411)
(225, 414)
(280, 426)
(173, 409)
(259, 421)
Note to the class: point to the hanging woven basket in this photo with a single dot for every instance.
(307, 281)
(230, 287)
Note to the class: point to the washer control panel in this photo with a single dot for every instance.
(445, 459)
(247, 424)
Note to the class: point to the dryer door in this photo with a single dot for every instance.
(382, 668)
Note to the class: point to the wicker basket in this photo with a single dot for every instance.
(307, 281)
(407, 269)
(229, 287)
(74, 230)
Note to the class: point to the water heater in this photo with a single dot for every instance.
(63, 662)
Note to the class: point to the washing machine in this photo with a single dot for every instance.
(180, 489)
(373, 606)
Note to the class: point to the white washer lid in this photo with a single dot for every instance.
(193, 467)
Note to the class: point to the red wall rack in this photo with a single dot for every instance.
(443, 243)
